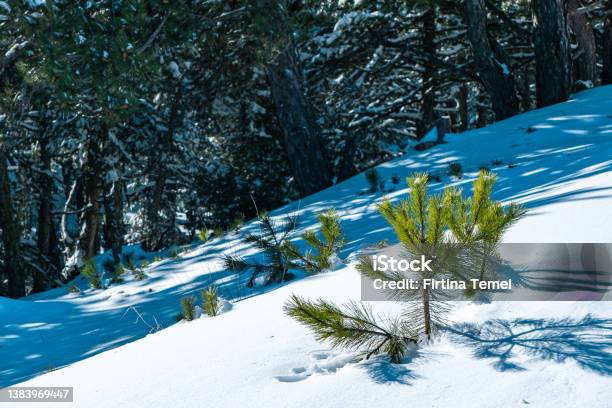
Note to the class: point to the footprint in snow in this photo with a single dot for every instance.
(321, 362)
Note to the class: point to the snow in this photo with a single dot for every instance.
(556, 161)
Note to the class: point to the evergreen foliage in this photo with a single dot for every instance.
(457, 233)
(164, 108)
(188, 308)
(203, 235)
(272, 240)
(139, 273)
(455, 169)
(117, 274)
(211, 303)
(478, 221)
(90, 272)
(322, 251)
(355, 327)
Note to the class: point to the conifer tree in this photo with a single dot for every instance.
(322, 250)
(478, 221)
(420, 224)
(271, 240)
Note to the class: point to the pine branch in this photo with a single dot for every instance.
(353, 328)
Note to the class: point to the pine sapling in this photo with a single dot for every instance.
(455, 169)
(117, 275)
(478, 221)
(211, 303)
(139, 274)
(272, 239)
(322, 250)
(203, 235)
(188, 308)
(90, 272)
(419, 224)
(237, 223)
(74, 289)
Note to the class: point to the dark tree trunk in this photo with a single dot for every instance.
(157, 230)
(606, 73)
(347, 167)
(493, 69)
(44, 209)
(305, 152)
(429, 74)
(91, 215)
(585, 38)
(552, 52)
(45, 240)
(10, 232)
(92, 188)
(113, 220)
(463, 108)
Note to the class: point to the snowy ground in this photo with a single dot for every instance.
(556, 161)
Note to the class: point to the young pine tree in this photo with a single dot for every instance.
(211, 303)
(188, 308)
(478, 221)
(271, 240)
(90, 272)
(420, 224)
(323, 249)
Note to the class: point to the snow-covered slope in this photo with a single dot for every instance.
(557, 161)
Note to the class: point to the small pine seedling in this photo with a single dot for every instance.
(319, 257)
(203, 235)
(218, 232)
(129, 261)
(139, 273)
(210, 301)
(117, 275)
(237, 223)
(188, 308)
(90, 272)
(74, 289)
(272, 240)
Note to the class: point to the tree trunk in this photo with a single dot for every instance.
(585, 38)
(305, 152)
(463, 108)
(552, 52)
(493, 69)
(10, 232)
(113, 220)
(606, 73)
(429, 74)
(304, 149)
(44, 238)
(157, 230)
